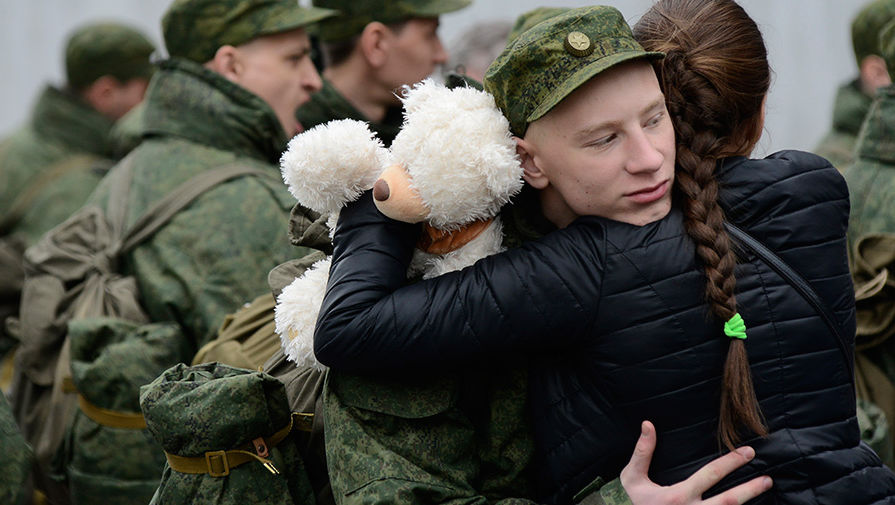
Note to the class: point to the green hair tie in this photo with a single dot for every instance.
(735, 327)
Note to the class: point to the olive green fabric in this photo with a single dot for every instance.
(195, 29)
(887, 44)
(871, 180)
(215, 255)
(552, 59)
(127, 132)
(867, 26)
(876, 406)
(247, 337)
(212, 407)
(61, 126)
(16, 462)
(56, 159)
(528, 19)
(449, 439)
(100, 49)
(110, 360)
(849, 110)
(304, 390)
(600, 493)
(328, 105)
(354, 16)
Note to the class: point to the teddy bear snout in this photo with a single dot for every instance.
(380, 190)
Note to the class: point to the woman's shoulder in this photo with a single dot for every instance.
(782, 183)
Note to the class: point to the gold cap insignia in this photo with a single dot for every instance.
(578, 44)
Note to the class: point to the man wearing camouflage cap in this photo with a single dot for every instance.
(371, 49)
(238, 69)
(50, 165)
(853, 98)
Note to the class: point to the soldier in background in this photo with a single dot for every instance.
(52, 163)
(474, 49)
(853, 98)
(370, 50)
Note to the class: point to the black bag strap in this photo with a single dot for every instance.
(162, 211)
(800, 284)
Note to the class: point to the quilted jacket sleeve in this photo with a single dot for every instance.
(538, 298)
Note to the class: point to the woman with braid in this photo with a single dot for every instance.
(635, 303)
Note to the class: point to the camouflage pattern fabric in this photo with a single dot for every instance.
(414, 440)
(552, 59)
(354, 16)
(598, 493)
(16, 462)
(195, 29)
(849, 111)
(111, 359)
(127, 132)
(528, 19)
(99, 49)
(212, 407)
(214, 255)
(867, 27)
(328, 105)
(62, 154)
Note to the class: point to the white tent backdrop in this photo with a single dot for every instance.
(808, 41)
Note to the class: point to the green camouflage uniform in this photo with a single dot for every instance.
(52, 164)
(328, 105)
(214, 255)
(16, 462)
(852, 103)
(127, 132)
(848, 113)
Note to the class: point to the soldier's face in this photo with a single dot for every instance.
(414, 52)
(606, 150)
(278, 68)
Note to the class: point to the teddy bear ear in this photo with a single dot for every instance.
(332, 164)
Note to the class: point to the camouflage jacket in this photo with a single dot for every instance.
(849, 110)
(871, 180)
(17, 456)
(329, 104)
(214, 255)
(64, 133)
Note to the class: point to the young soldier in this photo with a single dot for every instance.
(50, 165)
(372, 49)
(853, 98)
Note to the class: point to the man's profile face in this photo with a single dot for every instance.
(416, 51)
(278, 68)
(608, 148)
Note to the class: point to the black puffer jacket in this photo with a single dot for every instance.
(615, 318)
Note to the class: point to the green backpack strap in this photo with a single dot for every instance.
(159, 214)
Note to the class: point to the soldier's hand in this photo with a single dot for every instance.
(642, 491)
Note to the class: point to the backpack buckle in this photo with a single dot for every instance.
(215, 460)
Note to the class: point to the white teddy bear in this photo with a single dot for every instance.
(453, 166)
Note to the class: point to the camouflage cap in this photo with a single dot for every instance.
(867, 25)
(99, 49)
(531, 18)
(354, 15)
(553, 58)
(195, 29)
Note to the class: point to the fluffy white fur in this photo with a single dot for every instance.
(332, 164)
(296, 314)
(461, 159)
(457, 148)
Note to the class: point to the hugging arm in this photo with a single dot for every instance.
(539, 297)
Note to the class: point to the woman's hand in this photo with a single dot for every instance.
(643, 491)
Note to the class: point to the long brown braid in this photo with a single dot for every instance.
(715, 76)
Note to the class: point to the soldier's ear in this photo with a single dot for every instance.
(531, 172)
(226, 62)
(374, 43)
